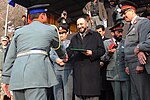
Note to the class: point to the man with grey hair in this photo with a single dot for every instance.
(136, 44)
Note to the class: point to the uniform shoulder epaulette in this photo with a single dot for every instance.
(137, 20)
(56, 29)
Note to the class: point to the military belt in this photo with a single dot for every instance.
(24, 53)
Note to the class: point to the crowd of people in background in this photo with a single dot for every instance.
(40, 63)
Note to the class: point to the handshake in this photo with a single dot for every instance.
(62, 62)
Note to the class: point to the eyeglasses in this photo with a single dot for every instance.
(62, 32)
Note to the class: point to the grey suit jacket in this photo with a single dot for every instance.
(34, 70)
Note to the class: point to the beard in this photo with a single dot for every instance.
(118, 39)
(81, 30)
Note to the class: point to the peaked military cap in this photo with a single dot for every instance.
(62, 29)
(117, 27)
(41, 8)
(3, 38)
(125, 5)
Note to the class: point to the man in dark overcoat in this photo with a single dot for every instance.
(85, 50)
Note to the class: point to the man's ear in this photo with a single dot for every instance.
(42, 15)
(112, 33)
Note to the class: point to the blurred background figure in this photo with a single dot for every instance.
(110, 7)
(3, 47)
(96, 12)
(64, 20)
(23, 20)
(146, 14)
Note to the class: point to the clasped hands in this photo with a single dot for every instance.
(141, 56)
(142, 59)
(61, 62)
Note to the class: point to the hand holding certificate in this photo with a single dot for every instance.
(84, 51)
(79, 50)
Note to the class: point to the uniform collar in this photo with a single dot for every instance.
(133, 20)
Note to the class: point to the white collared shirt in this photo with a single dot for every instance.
(102, 37)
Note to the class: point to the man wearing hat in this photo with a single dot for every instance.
(3, 46)
(63, 90)
(137, 42)
(27, 69)
(116, 68)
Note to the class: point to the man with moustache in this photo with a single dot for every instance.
(116, 68)
(136, 44)
(85, 50)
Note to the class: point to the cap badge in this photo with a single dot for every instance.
(60, 28)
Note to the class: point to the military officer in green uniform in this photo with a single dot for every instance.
(27, 68)
(115, 71)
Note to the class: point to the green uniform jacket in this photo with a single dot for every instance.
(116, 66)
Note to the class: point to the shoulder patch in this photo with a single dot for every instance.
(135, 21)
